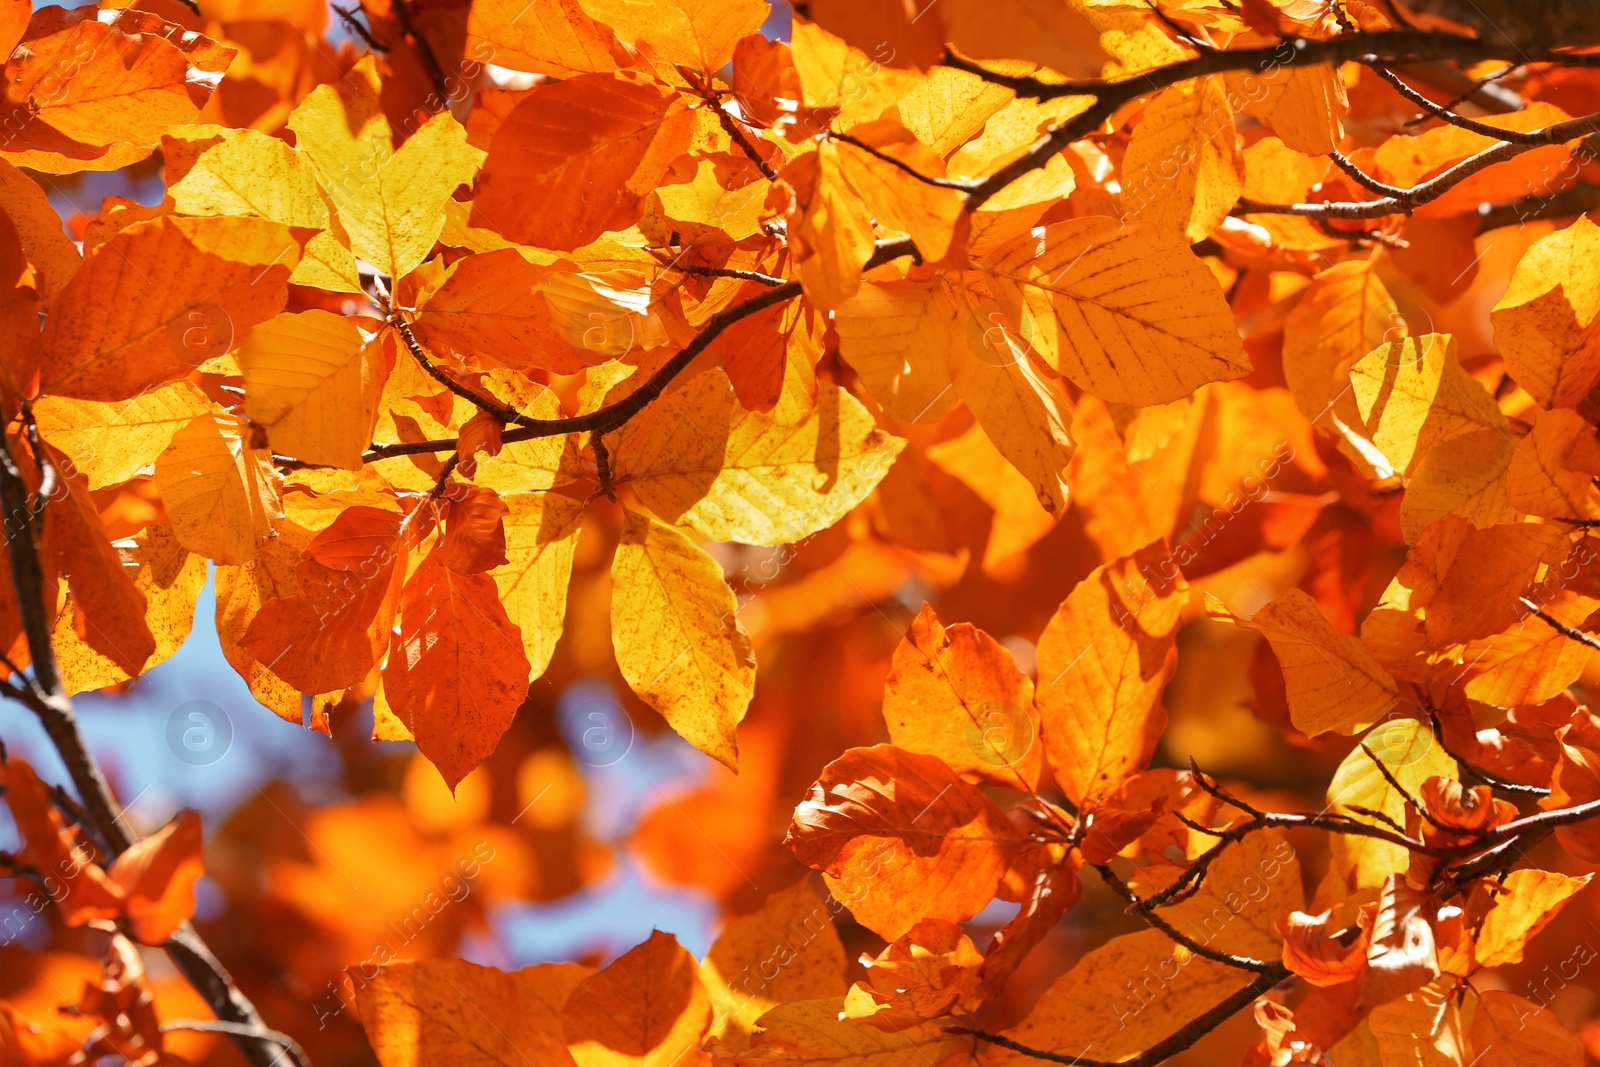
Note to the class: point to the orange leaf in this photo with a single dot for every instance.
(157, 874)
(456, 672)
(957, 694)
(1104, 658)
(645, 1010)
(160, 298)
(899, 837)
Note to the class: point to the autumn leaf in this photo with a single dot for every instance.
(793, 934)
(677, 635)
(433, 1011)
(391, 202)
(1104, 658)
(648, 1007)
(737, 475)
(1333, 680)
(456, 672)
(898, 835)
(956, 693)
(160, 298)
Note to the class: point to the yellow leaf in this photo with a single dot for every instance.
(1466, 479)
(1414, 395)
(1545, 324)
(556, 38)
(214, 170)
(696, 33)
(1423, 1029)
(110, 443)
(1104, 658)
(241, 590)
(1411, 755)
(899, 200)
(897, 335)
(221, 493)
(433, 1012)
(677, 636)
(792, 938)
(313, 380)
(1532, 661)
(1552, 473)
(1019, 521)
(170, 577)
(1526, 902)
(1020, 410)
(390, 202)
(541, 534)
(1125, 311)
(647, 1009)
(160, 298)
(1341, 316)
(1333, 680)
(830, 226)
(1182, 169)
(1304, 104)
(701, 459)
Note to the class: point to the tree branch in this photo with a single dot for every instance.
(503, 412)
(1433, 188)
(1124, 890)
(1570, 632)
(1390, 47)
(430, 62)
(48, 700)
(1183, 1037)
(612, 416)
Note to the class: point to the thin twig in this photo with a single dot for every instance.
(503, 412)
(347, 15)
(1444, 114)
(1363, 179)
(612, 416)
(900, 165)
(1560, 627)
(430, 62)
(1183, 1037)
(218, 1026)
(1123, 889)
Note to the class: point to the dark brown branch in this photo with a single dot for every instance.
(1431, 189)
(1362, 178)
(1182, 1038)
(1444, 114)
(1124, 890)
(1561, 628)
(612, 416)
(903, 167)
(729, 272)
(1477, 774)
(729, 124)
(430, 62)
(347, 15)
(503, 412)
(49, 701)
(1391, 47)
